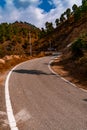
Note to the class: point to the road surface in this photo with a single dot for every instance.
(43, 101)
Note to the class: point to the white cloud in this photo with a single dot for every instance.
(32, 2)
(66, 2)
(50, 2)
(32, 13)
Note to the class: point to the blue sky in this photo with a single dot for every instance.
(46, 5)
(2, 3)
(36, 12)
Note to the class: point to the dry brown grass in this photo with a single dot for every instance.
(12, 62)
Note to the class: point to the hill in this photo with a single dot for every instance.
(14, 38)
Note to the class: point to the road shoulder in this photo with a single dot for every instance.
(59, 69)
(3, 115)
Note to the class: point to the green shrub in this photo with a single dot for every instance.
(77, 48)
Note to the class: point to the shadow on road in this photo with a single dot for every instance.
(85, 100)
(34, 72)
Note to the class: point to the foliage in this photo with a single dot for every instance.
(57, 21)
(84, 2)
(68, 13)
(78, 14)
(49, 27)
(74, 8)
(42, 33)
(26, 44)
(79, 11)
(78, 48)
(16, 33)
(84, 5)
(1, 52)
(62, 18)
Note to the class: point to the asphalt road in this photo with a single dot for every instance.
(43, 101)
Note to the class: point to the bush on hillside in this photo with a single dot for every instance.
(77, 48)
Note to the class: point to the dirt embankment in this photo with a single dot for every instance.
(70, 71)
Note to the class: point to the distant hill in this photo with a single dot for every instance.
(15, 38)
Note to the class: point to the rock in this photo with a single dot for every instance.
(6, 58)
(2, 61)
(16, 56)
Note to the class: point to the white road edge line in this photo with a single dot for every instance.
(49, 66)
(11, 117)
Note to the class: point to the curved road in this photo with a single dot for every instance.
(43, 101)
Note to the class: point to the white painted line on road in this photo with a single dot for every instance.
(67, 81)
(52, 69)
(49, 66)
(11, 118)
(84, 90)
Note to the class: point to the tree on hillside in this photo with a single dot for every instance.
(74, 8)
(84, 2)
(68, 13)
(77, 48)
(57, 21)
(42, 33)
(84, 5)
(77, 12)
(49, 27)
(62, 18)
(2, 33)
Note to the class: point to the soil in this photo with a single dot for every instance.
(70, 73)
(3, 115)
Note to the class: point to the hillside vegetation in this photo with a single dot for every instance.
(14, 38)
